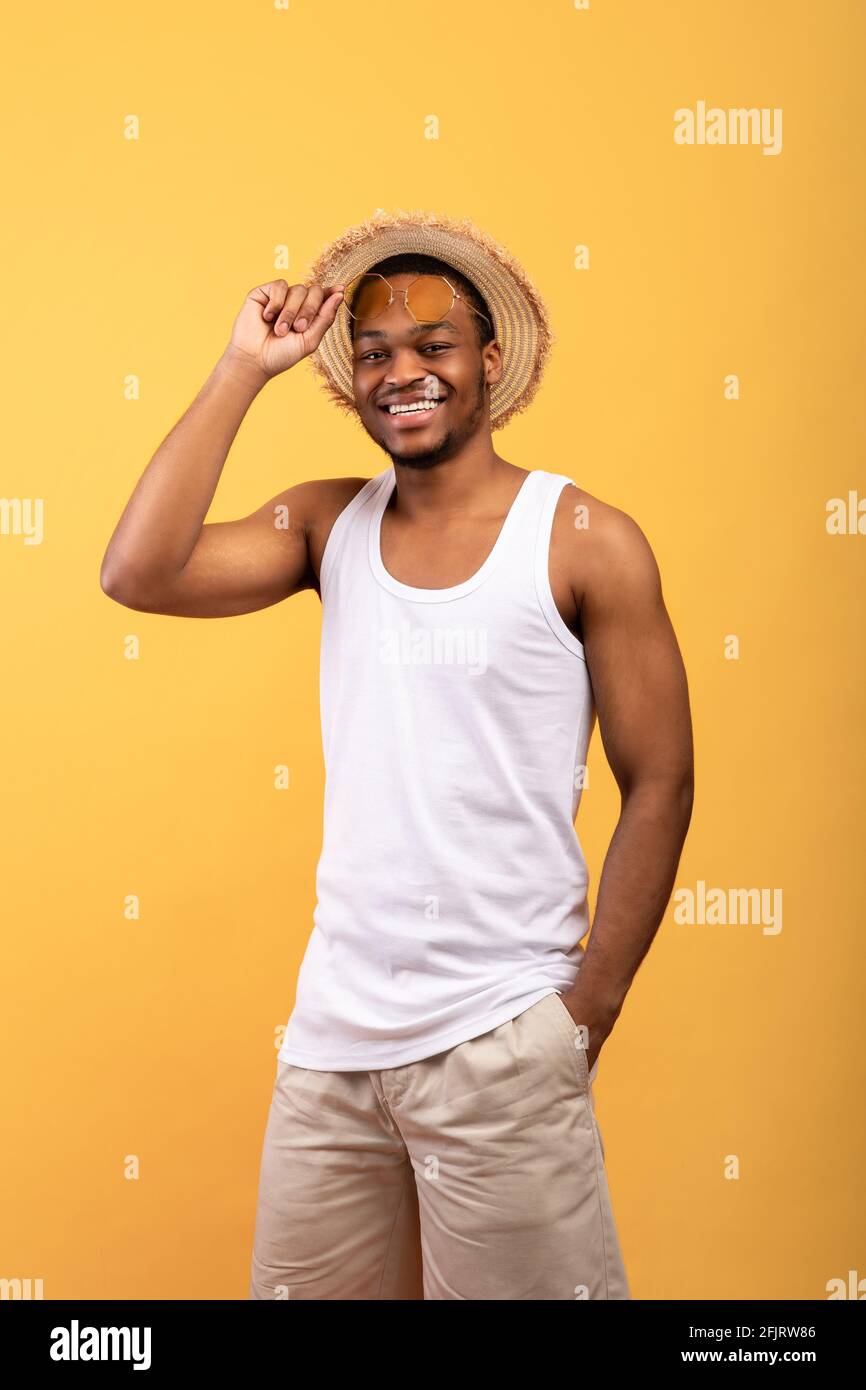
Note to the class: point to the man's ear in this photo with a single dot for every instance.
(491, 355)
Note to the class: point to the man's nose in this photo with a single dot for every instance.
(406, 367)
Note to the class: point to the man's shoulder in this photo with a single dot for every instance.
(316, 504)
(592, 536)
(318, 498)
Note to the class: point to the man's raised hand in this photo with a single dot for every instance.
(279, 325)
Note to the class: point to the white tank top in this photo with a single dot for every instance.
(451, 887)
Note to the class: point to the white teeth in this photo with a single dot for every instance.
(414, 407)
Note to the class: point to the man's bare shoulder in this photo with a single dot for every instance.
(317, 498)
(316, 504)
(595, 544)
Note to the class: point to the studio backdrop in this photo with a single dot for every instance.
(684, 184)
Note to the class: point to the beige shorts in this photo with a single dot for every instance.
(477, 1173)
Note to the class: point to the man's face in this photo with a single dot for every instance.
(399, 362)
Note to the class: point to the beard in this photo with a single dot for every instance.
(451, 442)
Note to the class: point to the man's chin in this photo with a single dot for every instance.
(421, 455)
(413, 451)
(419, 461)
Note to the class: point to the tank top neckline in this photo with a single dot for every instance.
(410, 591)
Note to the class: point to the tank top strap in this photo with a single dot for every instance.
(534, 506)
(351, 524)
(548, 498)
(529, 529)
(550, 495)
(517, 536)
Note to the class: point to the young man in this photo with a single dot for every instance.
(432, 1130)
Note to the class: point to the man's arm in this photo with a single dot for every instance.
(245, 565)
(162, 558)
(641, 696)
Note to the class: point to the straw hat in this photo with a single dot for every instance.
(520, 318)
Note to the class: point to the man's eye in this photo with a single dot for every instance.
(368, 356)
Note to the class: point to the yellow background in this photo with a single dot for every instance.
(156, 776)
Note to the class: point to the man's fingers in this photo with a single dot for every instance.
(275, 294)
(309, 309)
(294, 299)
(326, 315)
(312, 305)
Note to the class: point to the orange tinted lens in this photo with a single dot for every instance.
(429, 298)
(367, 296)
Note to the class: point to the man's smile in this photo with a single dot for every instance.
(412, 413)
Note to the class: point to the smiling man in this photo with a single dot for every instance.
(432, 1131)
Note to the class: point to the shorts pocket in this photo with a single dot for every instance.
(573, 1037)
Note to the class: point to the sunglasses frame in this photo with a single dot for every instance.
(425, 275)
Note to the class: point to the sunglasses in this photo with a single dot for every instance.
(428, 298)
